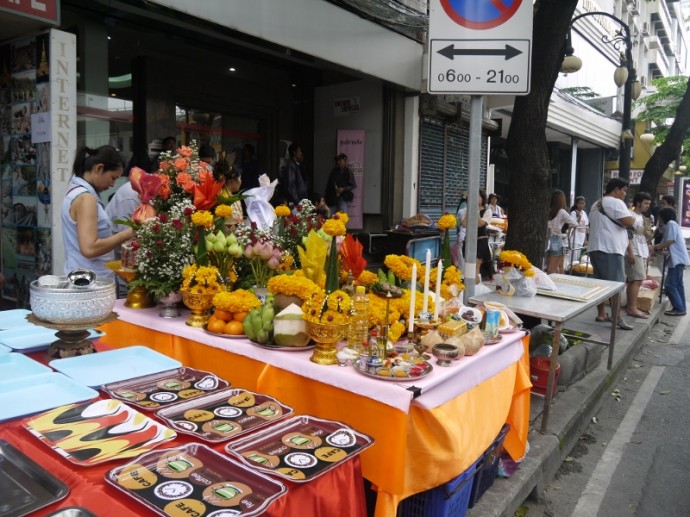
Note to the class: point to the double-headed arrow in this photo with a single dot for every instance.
(508, 52)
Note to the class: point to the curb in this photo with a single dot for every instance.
(571, 413)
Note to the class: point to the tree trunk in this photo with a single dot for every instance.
(530, 170)
(669, 150)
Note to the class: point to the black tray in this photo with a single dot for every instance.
(24, 485)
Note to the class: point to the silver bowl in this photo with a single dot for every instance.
(73, 305)
(445, 353)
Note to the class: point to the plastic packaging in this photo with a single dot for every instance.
(358, 331)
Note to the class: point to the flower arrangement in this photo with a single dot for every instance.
(396, 308)
(367, 278)
(239, 300)
(164, 247)
(262, 256)
(328, 308)
(334, 227)
(401, 265)
(293, 227)
(201, 280)
(313, 258)
(445, 224)
(517, 260)
(451, 285)
(293, 285)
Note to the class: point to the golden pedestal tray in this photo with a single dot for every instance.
(72, 338)
(137, 298)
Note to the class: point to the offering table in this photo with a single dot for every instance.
(424, 437)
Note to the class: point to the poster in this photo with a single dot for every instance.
(684, 215)
(351, 142)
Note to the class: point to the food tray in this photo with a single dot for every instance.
(162, 389)
(195, 476)
(426, 367)
(268, 346)
(15, 367)
(24, 485)
(94, 432)
(39, 393)
(33, 339)
(226, 336)
(224, 415)
(301, 448)
(15, 318)
(95, 370)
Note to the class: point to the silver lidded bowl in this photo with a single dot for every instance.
(73, 305)
(445, 353)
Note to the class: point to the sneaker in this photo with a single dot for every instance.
(624, 325)
(674, 312)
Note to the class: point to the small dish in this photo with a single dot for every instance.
(472, 316)
(445, 353)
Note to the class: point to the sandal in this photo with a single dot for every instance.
(640, 315)
(603, 320)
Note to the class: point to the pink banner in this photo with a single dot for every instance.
(351, 142)
(684, 214)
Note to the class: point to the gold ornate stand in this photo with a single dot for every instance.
(326, 337)
(72, 339)
(199, 304)
(137, 298)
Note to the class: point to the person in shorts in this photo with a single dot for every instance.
(637, 255)
(609, 219)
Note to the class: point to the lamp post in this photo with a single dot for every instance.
(625, 76)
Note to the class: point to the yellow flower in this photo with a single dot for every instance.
(395, 331)
(282, 211)
(292, 285)
(446, 222)
(239, 300)
(224, 211)
(401, 265)
(203, 218)
(518, 260)
(327, 308)
(367, 278)
(342, 216)
(334, 227)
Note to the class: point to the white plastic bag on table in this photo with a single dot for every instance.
(542, 280)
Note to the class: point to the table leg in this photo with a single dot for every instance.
(552, 376)
(663, 273)
(615, 308)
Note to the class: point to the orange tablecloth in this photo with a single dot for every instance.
(414, 451)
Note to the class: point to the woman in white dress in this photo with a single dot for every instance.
(578, 213)
(558, 218)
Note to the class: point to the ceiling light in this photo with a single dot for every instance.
(232, 69)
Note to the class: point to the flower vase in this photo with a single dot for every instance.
(199, 304)
(326, 337)
(170, 308)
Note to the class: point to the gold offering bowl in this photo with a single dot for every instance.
(72, 339)
(137, 298)
(326, 337)
(199, 304)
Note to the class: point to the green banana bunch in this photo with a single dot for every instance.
(258, 325)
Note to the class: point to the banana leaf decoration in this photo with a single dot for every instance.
(313, 257)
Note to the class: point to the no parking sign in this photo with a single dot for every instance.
(480, 46)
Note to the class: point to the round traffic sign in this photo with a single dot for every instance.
(480, 14)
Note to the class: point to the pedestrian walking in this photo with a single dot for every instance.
(678, 259)
(637, 254)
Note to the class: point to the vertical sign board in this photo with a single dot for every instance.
(480, 47)
(684, 205)
(351, 142)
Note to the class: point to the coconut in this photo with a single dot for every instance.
(289, 328)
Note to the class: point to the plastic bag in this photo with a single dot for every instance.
(259, 210)
(542, 280)
(525, 286)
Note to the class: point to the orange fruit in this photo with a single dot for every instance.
(217, 326)
(223, 315)
(233, 328)
(239, 316)
(211, 319)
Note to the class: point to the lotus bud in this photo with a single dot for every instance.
(235, 250)
(220, 237)
(265, 252)
(232, 239)
(209, 244)
(273, 263)
(219, 246)
(249, 251)
(142, 213)
(210, 237)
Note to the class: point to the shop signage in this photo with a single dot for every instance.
(480, 47)
(345, 107)
(43, 10)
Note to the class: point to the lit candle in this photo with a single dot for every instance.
(413, 297)
(425, 307)
(437, 298)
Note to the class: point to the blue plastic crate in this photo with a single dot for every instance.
(487, 469)
(447, 500)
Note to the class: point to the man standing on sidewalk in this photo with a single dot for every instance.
(608, 240)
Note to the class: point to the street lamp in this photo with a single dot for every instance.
(624, 75)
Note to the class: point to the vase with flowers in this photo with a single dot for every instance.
(445, 224)
(294, 225)
(328, 317)
(199, 285)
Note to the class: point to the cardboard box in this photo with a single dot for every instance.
(647, 298)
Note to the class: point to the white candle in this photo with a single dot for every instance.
(437, 298)
(425, 307)
(413, 297)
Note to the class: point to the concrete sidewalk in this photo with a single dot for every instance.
(571, 412)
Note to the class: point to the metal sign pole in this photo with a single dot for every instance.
(476, 102)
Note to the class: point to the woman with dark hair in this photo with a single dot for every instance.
(577, 212)
(483, 251)
(558, 218)
(678, 259)
(232, 178)
(87, 231)
(637, 255)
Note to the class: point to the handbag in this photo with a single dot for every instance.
(600, 207)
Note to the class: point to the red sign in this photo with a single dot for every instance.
(44, 10)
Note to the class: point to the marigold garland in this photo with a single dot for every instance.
(239, 300)
(292, 285)
(224, 211)
(367, 278)
(282, 211)
(446, 222)
(334, 227)
(331, 309)
(401, 265)
(342, 216)
(201, 280)
(203, 218)
(517, 260)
